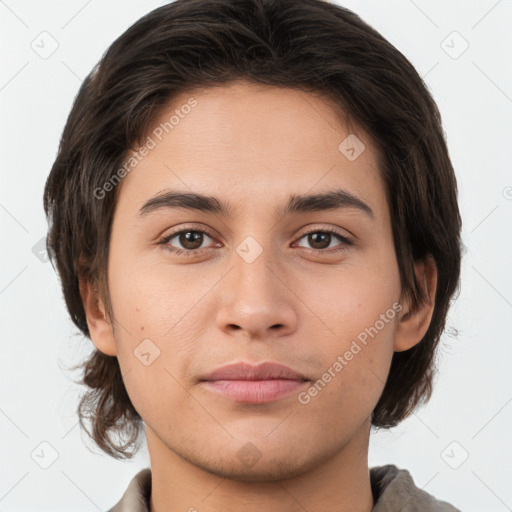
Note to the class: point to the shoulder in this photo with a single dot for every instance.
(136, 496)
(394, 489)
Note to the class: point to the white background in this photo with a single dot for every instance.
(471, 405)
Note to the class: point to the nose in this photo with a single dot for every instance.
(257, 299)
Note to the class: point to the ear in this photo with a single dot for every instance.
(98, 322)
(413, 323)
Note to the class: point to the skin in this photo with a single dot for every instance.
(253, 146)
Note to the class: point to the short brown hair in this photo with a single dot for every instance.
(309, 45)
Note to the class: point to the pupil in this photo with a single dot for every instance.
(314, 236)
(188, 241)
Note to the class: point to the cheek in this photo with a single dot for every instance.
(357, 312)
(355, 369)
(352, 298)
(159, 320)
(156, 336)
(155, 297)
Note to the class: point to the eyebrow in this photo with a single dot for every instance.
(332, 200)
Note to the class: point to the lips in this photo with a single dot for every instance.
(245, 383)
(246, 371)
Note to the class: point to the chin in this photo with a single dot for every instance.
(249, 463)
(268, 470)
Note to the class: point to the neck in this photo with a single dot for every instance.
(338, 483)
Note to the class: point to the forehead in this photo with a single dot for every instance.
(250, 144)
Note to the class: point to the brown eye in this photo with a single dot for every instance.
(320, 240)
(189, 241)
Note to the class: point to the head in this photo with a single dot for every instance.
(258, 104)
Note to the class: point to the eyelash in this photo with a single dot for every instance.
(193, 252)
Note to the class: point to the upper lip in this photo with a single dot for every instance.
(247, 371)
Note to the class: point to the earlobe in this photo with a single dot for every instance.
(413, 323)
(100, 327)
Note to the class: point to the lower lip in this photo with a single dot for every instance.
(254, 391)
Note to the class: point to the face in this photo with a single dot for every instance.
(195, 286)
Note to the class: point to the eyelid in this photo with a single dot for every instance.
(323, 227)
(330, 229)
(189, 227)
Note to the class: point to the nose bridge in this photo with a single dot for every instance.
(254, 247)
(255, 263)
(258, 300)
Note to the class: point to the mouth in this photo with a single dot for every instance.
(246, 383)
